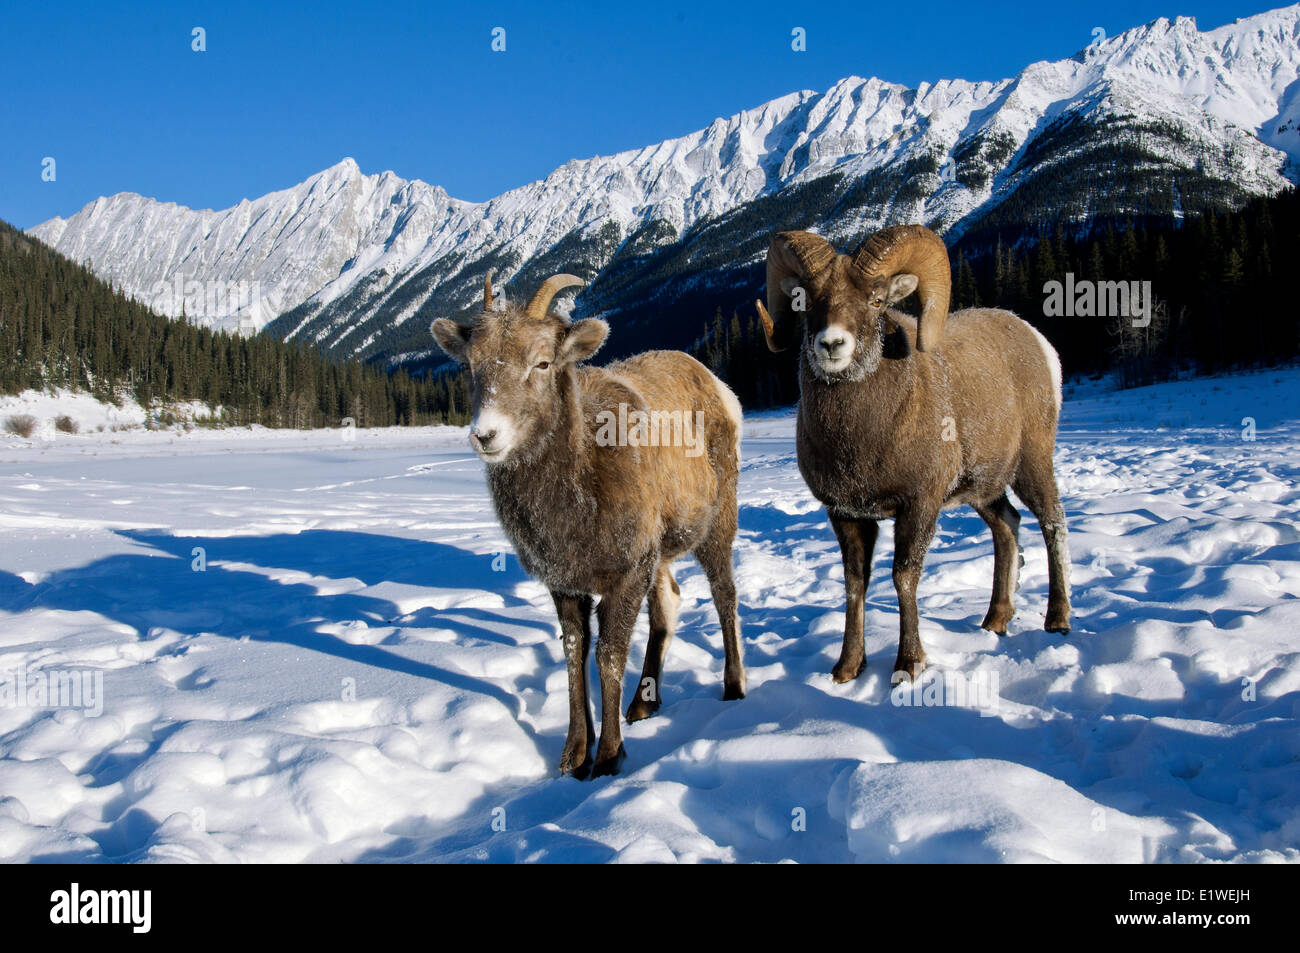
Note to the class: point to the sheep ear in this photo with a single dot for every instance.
(900, 286)
(582, 339)
(451, 337)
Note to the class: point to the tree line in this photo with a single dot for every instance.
(60, 326)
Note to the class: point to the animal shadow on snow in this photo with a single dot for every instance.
(154, 587)
(148, 590)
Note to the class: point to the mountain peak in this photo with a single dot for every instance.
(345, 168)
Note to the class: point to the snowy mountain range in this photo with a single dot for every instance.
(1150, 122)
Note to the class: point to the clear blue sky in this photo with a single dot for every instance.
(115, 94)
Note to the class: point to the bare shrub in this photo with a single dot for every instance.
(20, 425)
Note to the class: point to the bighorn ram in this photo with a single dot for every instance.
(595, 509)
(900, 417)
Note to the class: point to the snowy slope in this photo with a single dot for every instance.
(349, 678)
(87, 413)
(360, 242)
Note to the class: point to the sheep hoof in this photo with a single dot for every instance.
(909, 670)
(997, 618)
(1057, 621)
(731, 693)
(641, 709)
(576, 761)
(610, 766)
(847, 672)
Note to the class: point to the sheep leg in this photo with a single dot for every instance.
(575, 629)
(617, 614)
(857, 544)
(714, 556)
(665, 597)
(1036, 485)
(1004, 521)
(913, 530)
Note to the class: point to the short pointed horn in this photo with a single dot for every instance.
(769, 326)
(487, 292)
(552, 286)
(913, 249)
(799, 255)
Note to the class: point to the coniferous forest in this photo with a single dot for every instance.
(60, 326)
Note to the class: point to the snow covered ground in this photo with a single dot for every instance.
(298, 646)
(89, 414)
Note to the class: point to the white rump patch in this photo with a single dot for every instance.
(731, 404)
(1053, 363)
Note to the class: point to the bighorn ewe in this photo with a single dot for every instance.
(900, 417)
(601, 477)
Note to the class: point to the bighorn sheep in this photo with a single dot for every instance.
(595, 509)
(900, 417)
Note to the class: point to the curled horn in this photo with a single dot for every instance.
(487, 292)
(552, 286)
(913, 249)
(800, 255)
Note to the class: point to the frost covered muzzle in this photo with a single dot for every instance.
(833, 349)
(492, 434)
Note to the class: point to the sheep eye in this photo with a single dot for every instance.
(877, 302)
(544, 365)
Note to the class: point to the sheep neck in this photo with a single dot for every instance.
(862, 410)
(544, 496)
